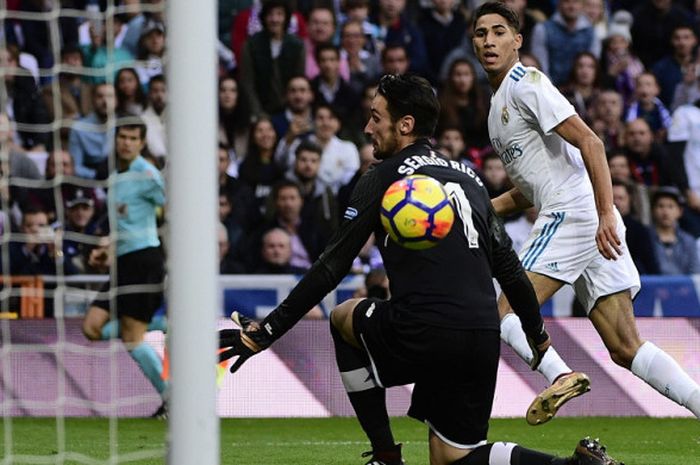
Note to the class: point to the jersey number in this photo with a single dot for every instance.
(464, 209)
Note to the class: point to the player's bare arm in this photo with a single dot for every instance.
(510, 202)
(578, 134)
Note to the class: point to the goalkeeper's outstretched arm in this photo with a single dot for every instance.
(325, 274)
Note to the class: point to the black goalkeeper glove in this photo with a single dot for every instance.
(539, 342)
(244, 342)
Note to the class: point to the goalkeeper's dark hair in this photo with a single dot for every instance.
(408, 94)
(498, 8)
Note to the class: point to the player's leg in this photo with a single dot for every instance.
(587, 452)
(112, 328)
(367, 397)
(565, 383)
(145, 356)
(96, 318)
(552, 366)
(613, 318)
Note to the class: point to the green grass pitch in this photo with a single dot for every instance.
(328, 441)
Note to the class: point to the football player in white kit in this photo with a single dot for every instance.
(557, 163)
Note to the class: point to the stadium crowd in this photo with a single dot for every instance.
(296, 81)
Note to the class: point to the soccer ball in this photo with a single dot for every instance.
(416, 212)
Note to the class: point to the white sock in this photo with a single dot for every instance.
(552, 366)
(501, 452)
(664, 374)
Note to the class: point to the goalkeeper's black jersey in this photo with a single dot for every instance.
(449, 285)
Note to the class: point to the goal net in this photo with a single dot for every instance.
(85, 221)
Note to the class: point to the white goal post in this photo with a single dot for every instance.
(193, 270)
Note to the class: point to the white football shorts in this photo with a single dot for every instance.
(562, 246)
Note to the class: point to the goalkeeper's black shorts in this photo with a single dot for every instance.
(142, 267)
(454, 370)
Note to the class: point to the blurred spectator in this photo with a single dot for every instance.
(621, 172)
(20, 168)
(308, 241)
(358, 10)
(131, 100)
(376, 285)
(670, 69)
(71, 86)
(36, 254)
(597, 14)
(684, 144)
(654, 21)
(244, 210)
(519, 229)
(395, 27)
(621, 66)
(367, 159)
(465, 50)
(583, 86)
(394, 59)
(675, 249)
(320, 205)
(463, 104)
(452, 139)
(89, 143)
(97, 57)
(646, 105)
(556, 41)
(151, 51)
(364, 64)
(276, 252)
(607, 119)
(443, 27)
(687, 91)
(34, 35)
(23, 100)
(329, 87)
(528, 19)
(340, 159)
(322, 24)
(60, 169)
(649, 160)
(234, 123)
(270, 58)
(79, 211)
(249, 21)
(228, 264)
(258, 169)
(637, 235)
(138, 20)
(154, 118)
(494, 175)
(297, 117)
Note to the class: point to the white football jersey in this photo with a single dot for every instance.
(548, 170)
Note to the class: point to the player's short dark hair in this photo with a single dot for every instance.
(132, 122)
(498, 8)
(413, 95)
(308, 146)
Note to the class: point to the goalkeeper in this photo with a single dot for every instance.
(440, 330)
